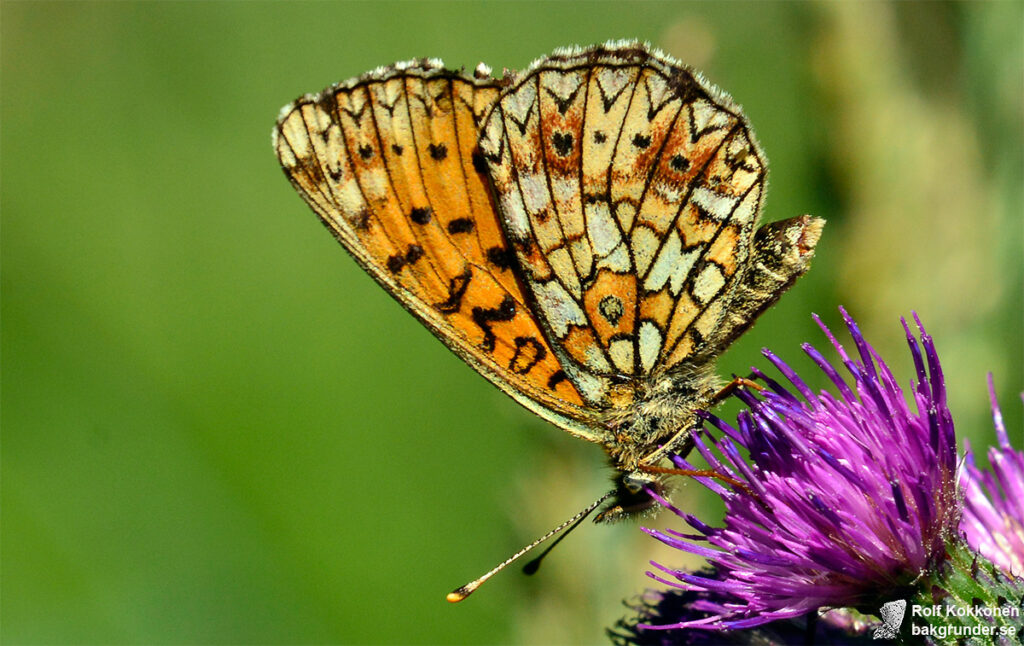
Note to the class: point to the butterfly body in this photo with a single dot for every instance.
(583, 234)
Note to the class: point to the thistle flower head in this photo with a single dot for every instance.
(845, 501)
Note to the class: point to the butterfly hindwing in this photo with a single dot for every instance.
(630, 189)
(389, 163)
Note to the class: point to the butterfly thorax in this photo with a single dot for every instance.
(660, 415)
(656, 416)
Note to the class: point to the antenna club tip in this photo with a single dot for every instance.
(458, 595)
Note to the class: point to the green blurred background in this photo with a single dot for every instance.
(216, 429)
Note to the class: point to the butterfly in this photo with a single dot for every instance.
(582, 233)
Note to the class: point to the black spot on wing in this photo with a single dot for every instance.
(460, 225)
(521, 125)
(413, 253)
(479, 163)
(562, 141)
(438, 151)
(563, 104)
(556, 378)
(361, 220)
(611, 309)
(529, 352)
(396, 262)
(500, 257)
(420, 215)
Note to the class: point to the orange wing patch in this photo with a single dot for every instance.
(630, 191)
(389, 163)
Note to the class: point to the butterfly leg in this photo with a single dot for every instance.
(693, 473)
(682, 442)
(731, 387)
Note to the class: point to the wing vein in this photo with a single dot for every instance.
(547, 177)
(700, 264)
(421, 237)
(611, 164)
(322, 179)
(362, 191)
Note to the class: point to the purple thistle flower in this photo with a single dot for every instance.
(993, 521)
(845, 501)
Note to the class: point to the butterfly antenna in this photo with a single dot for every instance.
(534, 565)
(461, 593)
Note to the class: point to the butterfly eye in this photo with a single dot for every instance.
(634, 481)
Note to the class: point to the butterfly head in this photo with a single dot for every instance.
(631, 497)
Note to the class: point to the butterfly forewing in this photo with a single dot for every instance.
(387, 162)
(630, 190)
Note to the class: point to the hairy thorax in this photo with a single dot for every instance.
(657, 415)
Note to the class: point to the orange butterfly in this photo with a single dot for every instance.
(582, 233)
